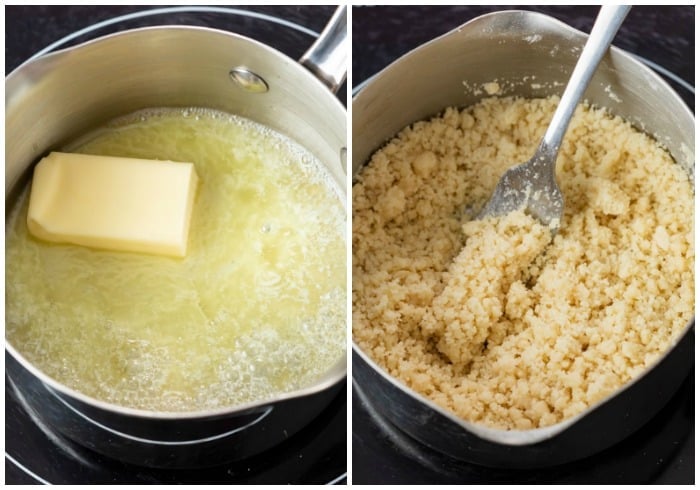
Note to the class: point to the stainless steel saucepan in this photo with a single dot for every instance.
(55, 98)
(518, 48)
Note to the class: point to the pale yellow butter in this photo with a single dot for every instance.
(125, 204)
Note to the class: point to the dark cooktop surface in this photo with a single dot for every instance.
(35, 454)
(663, 450)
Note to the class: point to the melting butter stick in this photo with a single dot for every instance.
(124, 204)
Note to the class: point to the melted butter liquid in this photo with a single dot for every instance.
(256, 308)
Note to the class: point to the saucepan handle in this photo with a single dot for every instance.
(327, 57)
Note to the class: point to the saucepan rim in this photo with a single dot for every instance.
(333, 376)
(516, 437)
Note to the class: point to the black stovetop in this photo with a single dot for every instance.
(33, 453)
(663, 450)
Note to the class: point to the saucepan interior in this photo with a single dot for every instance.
(54, 99)
(528, 55)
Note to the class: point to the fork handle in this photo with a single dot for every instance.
(607, 23)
